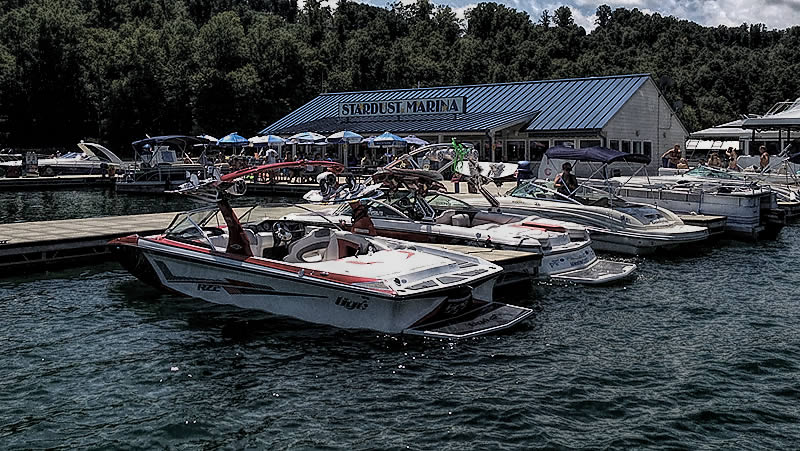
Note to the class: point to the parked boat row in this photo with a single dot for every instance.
(373, 259)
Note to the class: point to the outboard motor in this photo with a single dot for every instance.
(524, 171)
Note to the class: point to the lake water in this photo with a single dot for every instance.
(698, 351)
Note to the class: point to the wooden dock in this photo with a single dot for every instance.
(57, 182)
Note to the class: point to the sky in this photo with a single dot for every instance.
(773, 13)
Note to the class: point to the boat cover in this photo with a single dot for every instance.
(595, 154)
(170, 139)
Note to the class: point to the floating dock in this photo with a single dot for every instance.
(56, 182)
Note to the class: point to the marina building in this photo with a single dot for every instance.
(505, 121)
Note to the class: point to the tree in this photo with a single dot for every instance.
(603, 16)
(563, 17)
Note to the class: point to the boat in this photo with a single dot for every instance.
(614, 224)
(413, 209)
(92, 158)
(316, 273)
(162, 163)
(751, 210)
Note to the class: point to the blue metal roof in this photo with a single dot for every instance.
(548, 105)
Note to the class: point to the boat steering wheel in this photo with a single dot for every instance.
(281, 233)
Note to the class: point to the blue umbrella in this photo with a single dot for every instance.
(345, 137)
(268, 140)
(411, 139)
(307, 138)
(389, 140)
(233, 140)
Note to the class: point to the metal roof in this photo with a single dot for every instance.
(550, 105)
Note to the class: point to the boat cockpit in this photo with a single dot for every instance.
(286, 240)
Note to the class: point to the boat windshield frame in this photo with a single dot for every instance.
(197, 219)
(614, 200)
(346, 210)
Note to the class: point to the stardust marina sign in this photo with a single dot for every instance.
(448, 105)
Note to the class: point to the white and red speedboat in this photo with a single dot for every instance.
(318, 273)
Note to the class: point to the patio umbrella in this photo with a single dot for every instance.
(233, 140)
(208, 138)
(268, 140)
(345, 137)
(389, 140)
(306, 138)
(411, 139)
(370, 142)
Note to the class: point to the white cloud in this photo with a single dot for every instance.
(772, 13)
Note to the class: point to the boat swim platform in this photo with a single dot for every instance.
(41, 245)
(42, 183)
(716, 225)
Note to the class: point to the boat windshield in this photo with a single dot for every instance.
(375, 208)
(584, 194)
(190, 225)
(444, 202)
(705, 171)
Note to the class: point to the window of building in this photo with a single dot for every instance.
(538, 148)
(614, 144)
(647, 149)
(590, 143)
(626, 146)
(515, 151)
(637, 147)
(564, 142)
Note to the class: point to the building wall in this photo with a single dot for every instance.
(646, 117)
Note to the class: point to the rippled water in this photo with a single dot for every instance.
(699, 351)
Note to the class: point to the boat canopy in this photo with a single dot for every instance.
(595, 154)
(182, 141)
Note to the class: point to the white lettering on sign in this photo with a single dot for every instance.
(450, 105)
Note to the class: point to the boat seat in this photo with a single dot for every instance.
(347, 244)
(460, 220)
(445, 218)
(310, 248)
(259, 241)
(485, 217)
(220, 242)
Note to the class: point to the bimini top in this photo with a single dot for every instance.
(577, 104)
(182, 141)
(595, 154)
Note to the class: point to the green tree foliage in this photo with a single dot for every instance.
(114, 70)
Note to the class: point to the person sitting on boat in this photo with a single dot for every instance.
(763, 163)
(566, 183)
(714, 161)
(683, 164)
(671, 157)
(733, 159)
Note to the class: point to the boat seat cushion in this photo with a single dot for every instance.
(485, 217)
(346, 244)
(445, 218)
(311, 248)
(460, 220)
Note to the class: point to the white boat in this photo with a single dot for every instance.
(751, 210)
(319, 274)
(408, 214)
(92, 159)
(614, 224)
(162, 163)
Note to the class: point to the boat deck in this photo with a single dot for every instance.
(714, 224)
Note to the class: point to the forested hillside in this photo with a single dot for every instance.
(114, 70)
